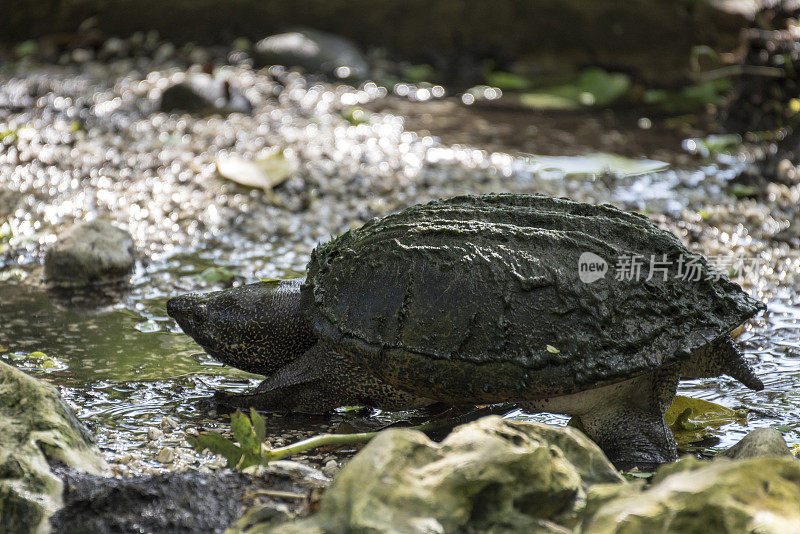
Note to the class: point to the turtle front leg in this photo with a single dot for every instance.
(319, 381)
(630, 428)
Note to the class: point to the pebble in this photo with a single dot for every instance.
(168, 422)
(330, 468)
(192, 432)
(165, 455)
(154, 433)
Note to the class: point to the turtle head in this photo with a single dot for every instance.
(257, 327)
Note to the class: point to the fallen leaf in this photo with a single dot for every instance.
(264, 173)
(692, 420)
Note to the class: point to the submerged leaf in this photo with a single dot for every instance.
(552, 349)
(265, 172)
(692, 420)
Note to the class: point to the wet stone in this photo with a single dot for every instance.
(173, 502)
(90, 253)
(203, 94)
(315, 51)
(758, 443)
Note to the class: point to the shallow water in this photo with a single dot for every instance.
(126, 365)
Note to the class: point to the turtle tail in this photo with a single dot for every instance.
(735, 364)
(718, 358)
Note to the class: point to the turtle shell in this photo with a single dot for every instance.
(482, 298)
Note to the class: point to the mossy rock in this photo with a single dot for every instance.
(492, 475)
(36, 430)
(692, 496)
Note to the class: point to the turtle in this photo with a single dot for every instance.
(483, 299)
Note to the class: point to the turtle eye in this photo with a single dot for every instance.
(200, 313)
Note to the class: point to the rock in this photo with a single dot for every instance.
(154, 433)
(169, 423)
(90, 253)
(166, 455)
(490, 475)
(757, 443)
(204, 94)
(330, 468)
(37, 429)
(315, 51)
(190, 501)
(726, 497)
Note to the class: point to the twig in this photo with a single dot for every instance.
(324, 440)
(274, 493)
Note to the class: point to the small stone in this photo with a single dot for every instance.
(192, 432)
(204, 94)
(168, 422)
(166, 455)
(90, 253)
(154, 433)
(757, 443)
(330, 468)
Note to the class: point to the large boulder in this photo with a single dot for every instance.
(315, 51)
(490, 475)
(37, 430)
(90, 253)
(725, 497)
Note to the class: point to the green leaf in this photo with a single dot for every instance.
(547, 101)
(218, 444)
(244, 433)
(690, 98)
(593, 87)
(744, 191)
(508, 81)
(259, 427)
(26, 48)
(37, 354)
(552, 349)
(419, 73)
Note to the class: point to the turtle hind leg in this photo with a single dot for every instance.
(722, 357)
(630, 427)
(319, 381)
